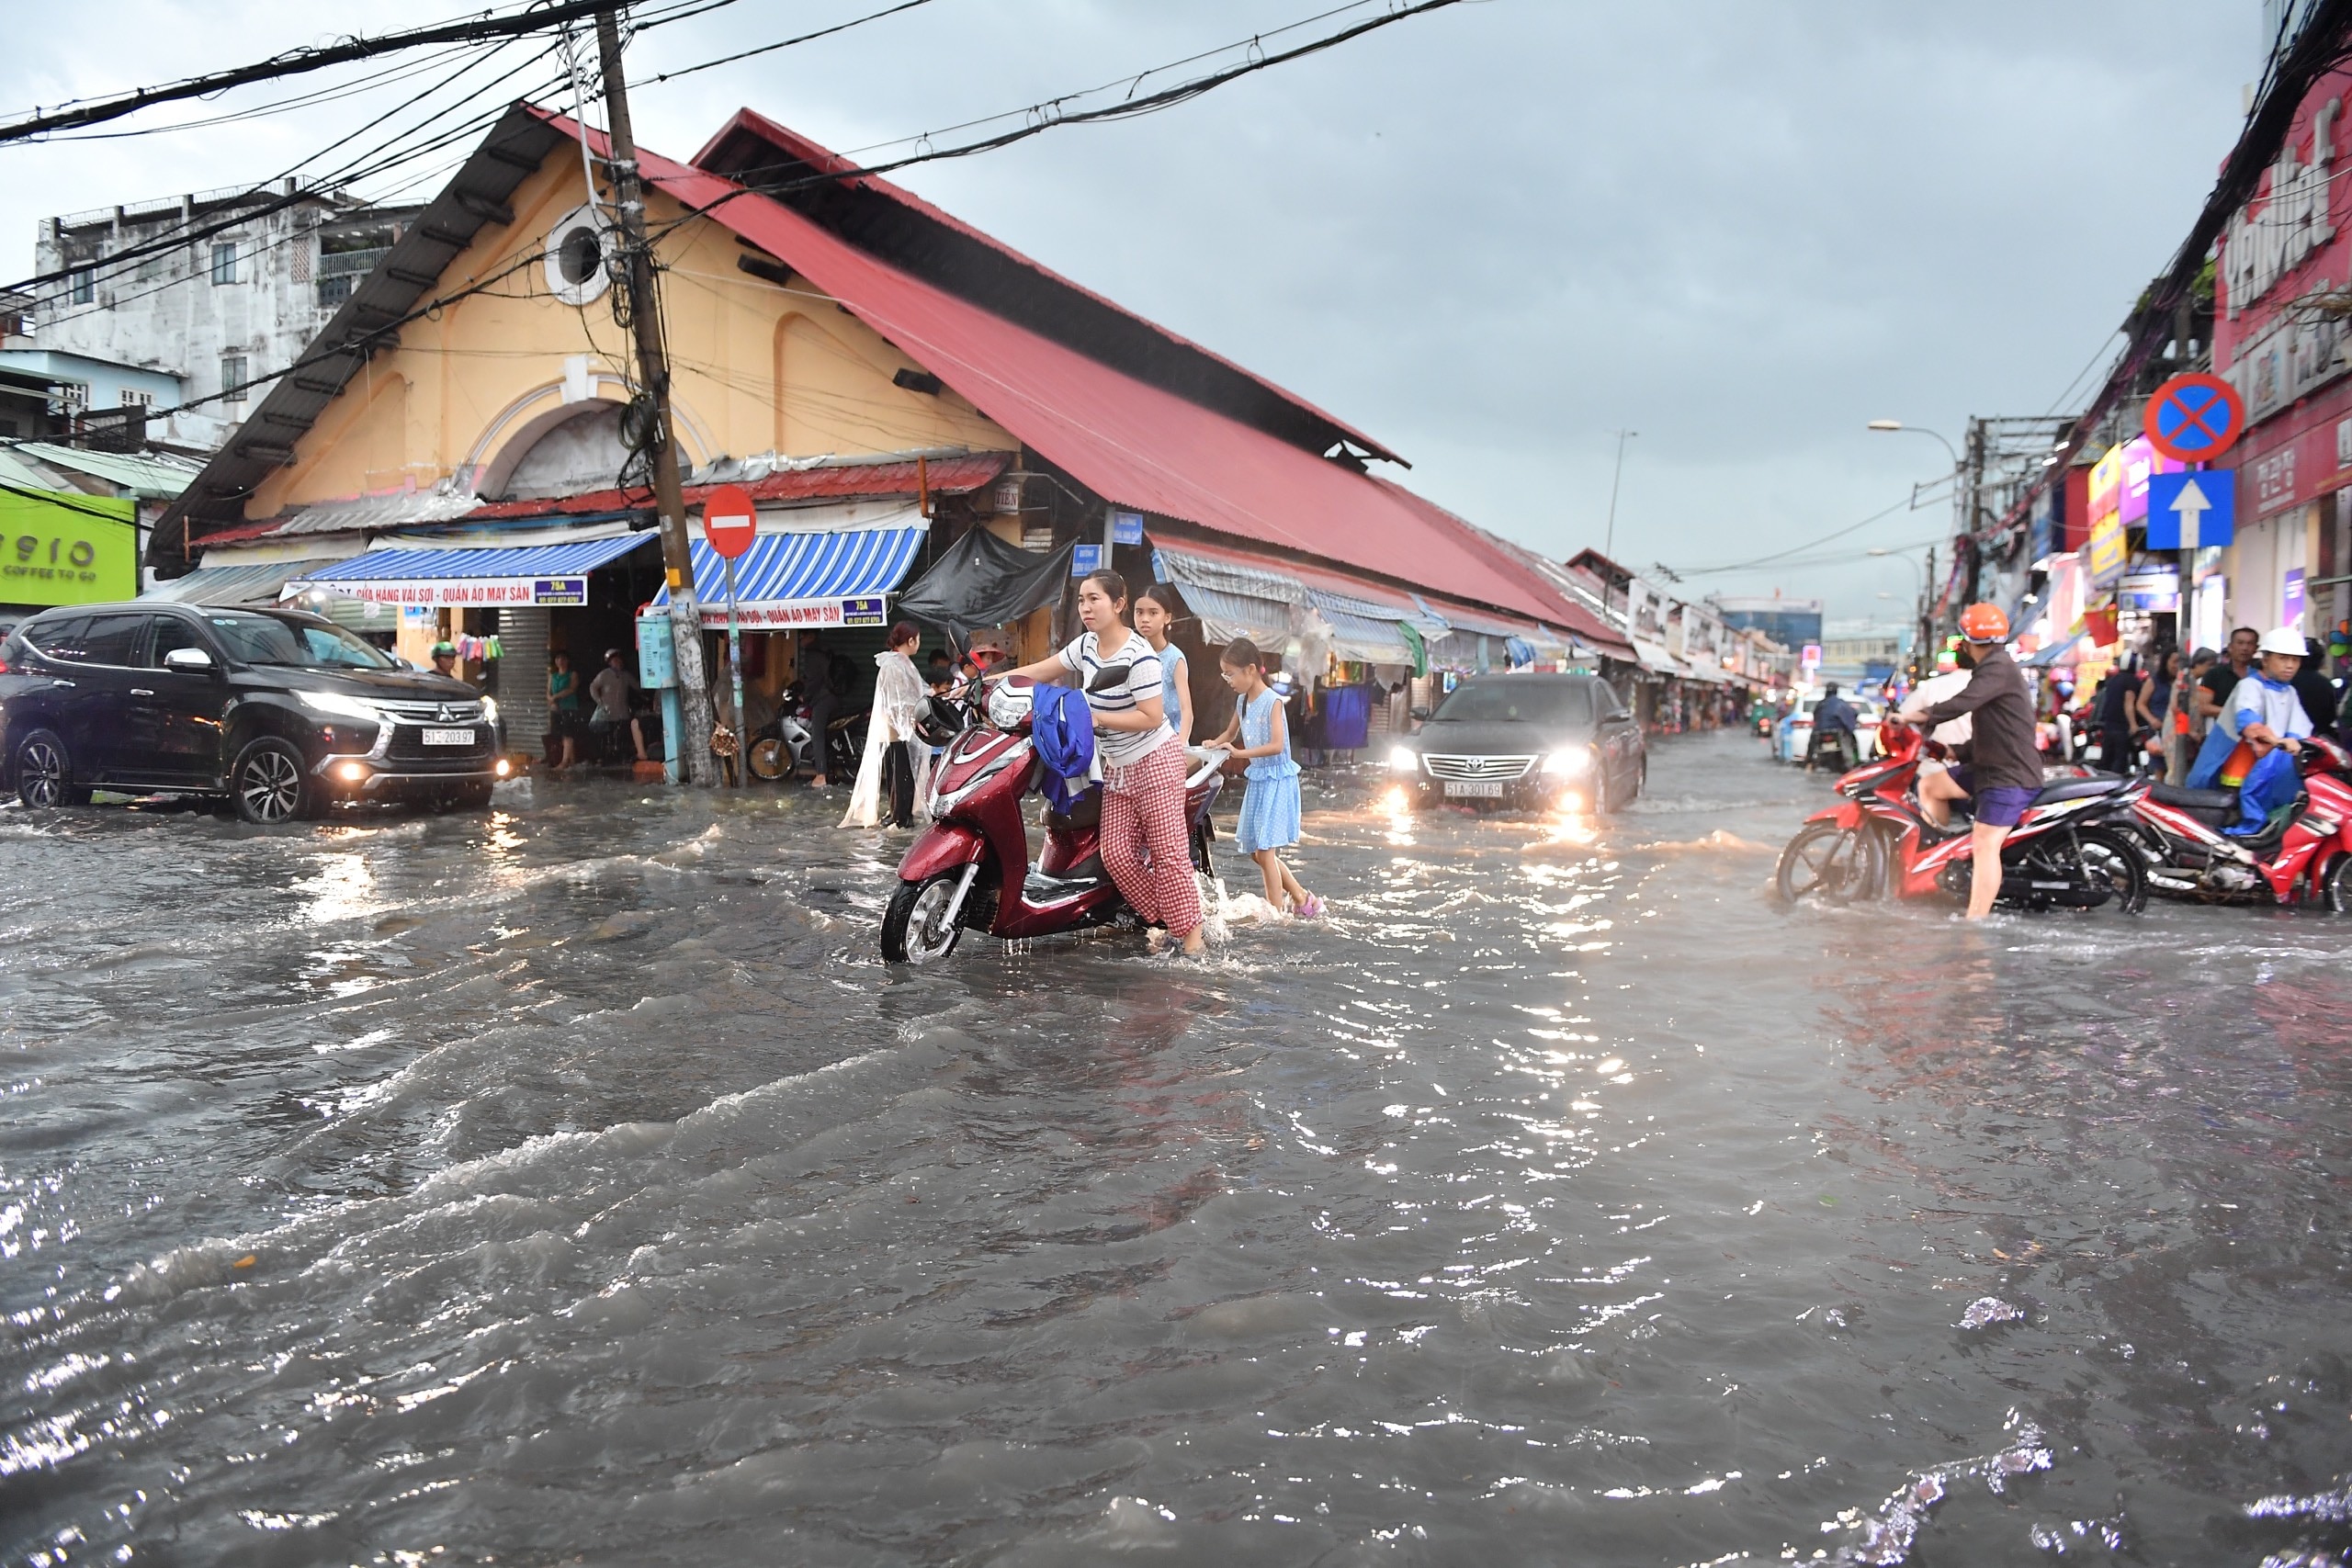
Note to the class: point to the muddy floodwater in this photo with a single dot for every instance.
(576, 1185)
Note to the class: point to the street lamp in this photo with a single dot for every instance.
(1917, 430)
(1609, 539)
(1919, 576)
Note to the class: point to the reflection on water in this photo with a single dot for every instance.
(577, 1183)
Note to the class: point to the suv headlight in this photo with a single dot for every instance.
(490, 709)
(1572, 762)
(341, 705)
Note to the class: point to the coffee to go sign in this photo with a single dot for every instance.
(67, 549)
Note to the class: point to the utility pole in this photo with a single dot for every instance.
(653, 371)
(1609, 539)
(1926, 662)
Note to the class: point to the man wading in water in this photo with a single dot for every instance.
(2004, 771)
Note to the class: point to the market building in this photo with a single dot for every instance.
(455, 454)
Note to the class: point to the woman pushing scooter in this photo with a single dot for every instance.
(1143, 762)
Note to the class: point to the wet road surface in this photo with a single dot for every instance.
(575, 1185)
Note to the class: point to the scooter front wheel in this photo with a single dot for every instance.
(915, 928)
(770, 761)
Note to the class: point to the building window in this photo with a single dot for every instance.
(132, 397)
(151, 268)
(85, 285)
(232, 377)
(224, 264)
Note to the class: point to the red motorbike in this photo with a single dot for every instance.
(1877, 841)
(970, 868)
(2302, 854)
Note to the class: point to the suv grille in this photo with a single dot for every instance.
(459, 712)
(1504, 768)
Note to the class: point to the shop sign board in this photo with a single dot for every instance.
(797, 615)
(467, 593)
(1085, 559)
(2291, 599)
(2107, 482)
(2109, 551)
(2150, 589)
(75, 549)
(2141, 463)
(1127, 527)
(2189, 512)
(2281, 249)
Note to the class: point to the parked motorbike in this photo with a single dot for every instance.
(970, 869)
(787, 743)
(1877, 841)
(2303, 854)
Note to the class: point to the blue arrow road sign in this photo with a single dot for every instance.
(2192, 510)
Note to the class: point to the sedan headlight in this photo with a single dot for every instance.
(1403, 760)
(1573, 762)
(341, 705)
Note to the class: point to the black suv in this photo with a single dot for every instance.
(276, 712)
(1527, 739)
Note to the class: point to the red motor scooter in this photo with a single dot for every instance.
(1877, 841)
(970, 868)
(2304, 855)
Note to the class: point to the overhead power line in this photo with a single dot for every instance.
(295, 62)
(1040, 117)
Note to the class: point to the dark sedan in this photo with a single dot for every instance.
(1527, 741)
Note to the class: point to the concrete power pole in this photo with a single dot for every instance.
(653, 371)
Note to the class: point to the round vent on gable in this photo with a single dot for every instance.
(577, 269)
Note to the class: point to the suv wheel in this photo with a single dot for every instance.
(45, 773)
(270, 784)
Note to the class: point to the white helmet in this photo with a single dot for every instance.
(2282, 639)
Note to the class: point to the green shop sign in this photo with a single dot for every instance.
(66, 548)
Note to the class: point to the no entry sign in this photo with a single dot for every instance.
(729, 521)
(2195, 418)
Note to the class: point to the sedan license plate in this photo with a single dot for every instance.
(1475, 789)
(448, 737)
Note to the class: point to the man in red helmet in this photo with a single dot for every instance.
(2004, 767)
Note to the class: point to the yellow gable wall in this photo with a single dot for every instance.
(755, 367)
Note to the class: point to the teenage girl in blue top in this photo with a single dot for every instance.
(1269, 822)
(1154, 616)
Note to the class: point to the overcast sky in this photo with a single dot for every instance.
(1489, 236)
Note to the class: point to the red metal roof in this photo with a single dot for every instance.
(1134, 443)
(839, 481)
(824, 160)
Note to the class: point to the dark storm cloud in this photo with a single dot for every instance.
(1491, 234)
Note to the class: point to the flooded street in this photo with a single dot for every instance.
(576, 1185)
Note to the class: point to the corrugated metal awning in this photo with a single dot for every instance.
(249, 583)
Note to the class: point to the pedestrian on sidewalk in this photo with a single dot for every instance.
(1269, 812)
(563, 713)
(610, 691)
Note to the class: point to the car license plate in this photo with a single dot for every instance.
(1477, 789)
(448, 737)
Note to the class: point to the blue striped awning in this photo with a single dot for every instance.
(806, 580)
(479, 575)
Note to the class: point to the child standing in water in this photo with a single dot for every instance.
(1270, 811)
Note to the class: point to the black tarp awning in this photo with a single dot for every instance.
(984, 582)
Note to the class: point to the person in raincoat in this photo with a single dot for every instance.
(898, 694)
(2271, 721)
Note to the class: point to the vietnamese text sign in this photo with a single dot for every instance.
(484, 592)
(776, 614)
(74, 550)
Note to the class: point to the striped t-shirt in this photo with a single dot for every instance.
(1083, 659)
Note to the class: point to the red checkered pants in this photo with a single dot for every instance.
(1143, 838)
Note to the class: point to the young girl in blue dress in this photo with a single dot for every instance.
(1270, 811)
